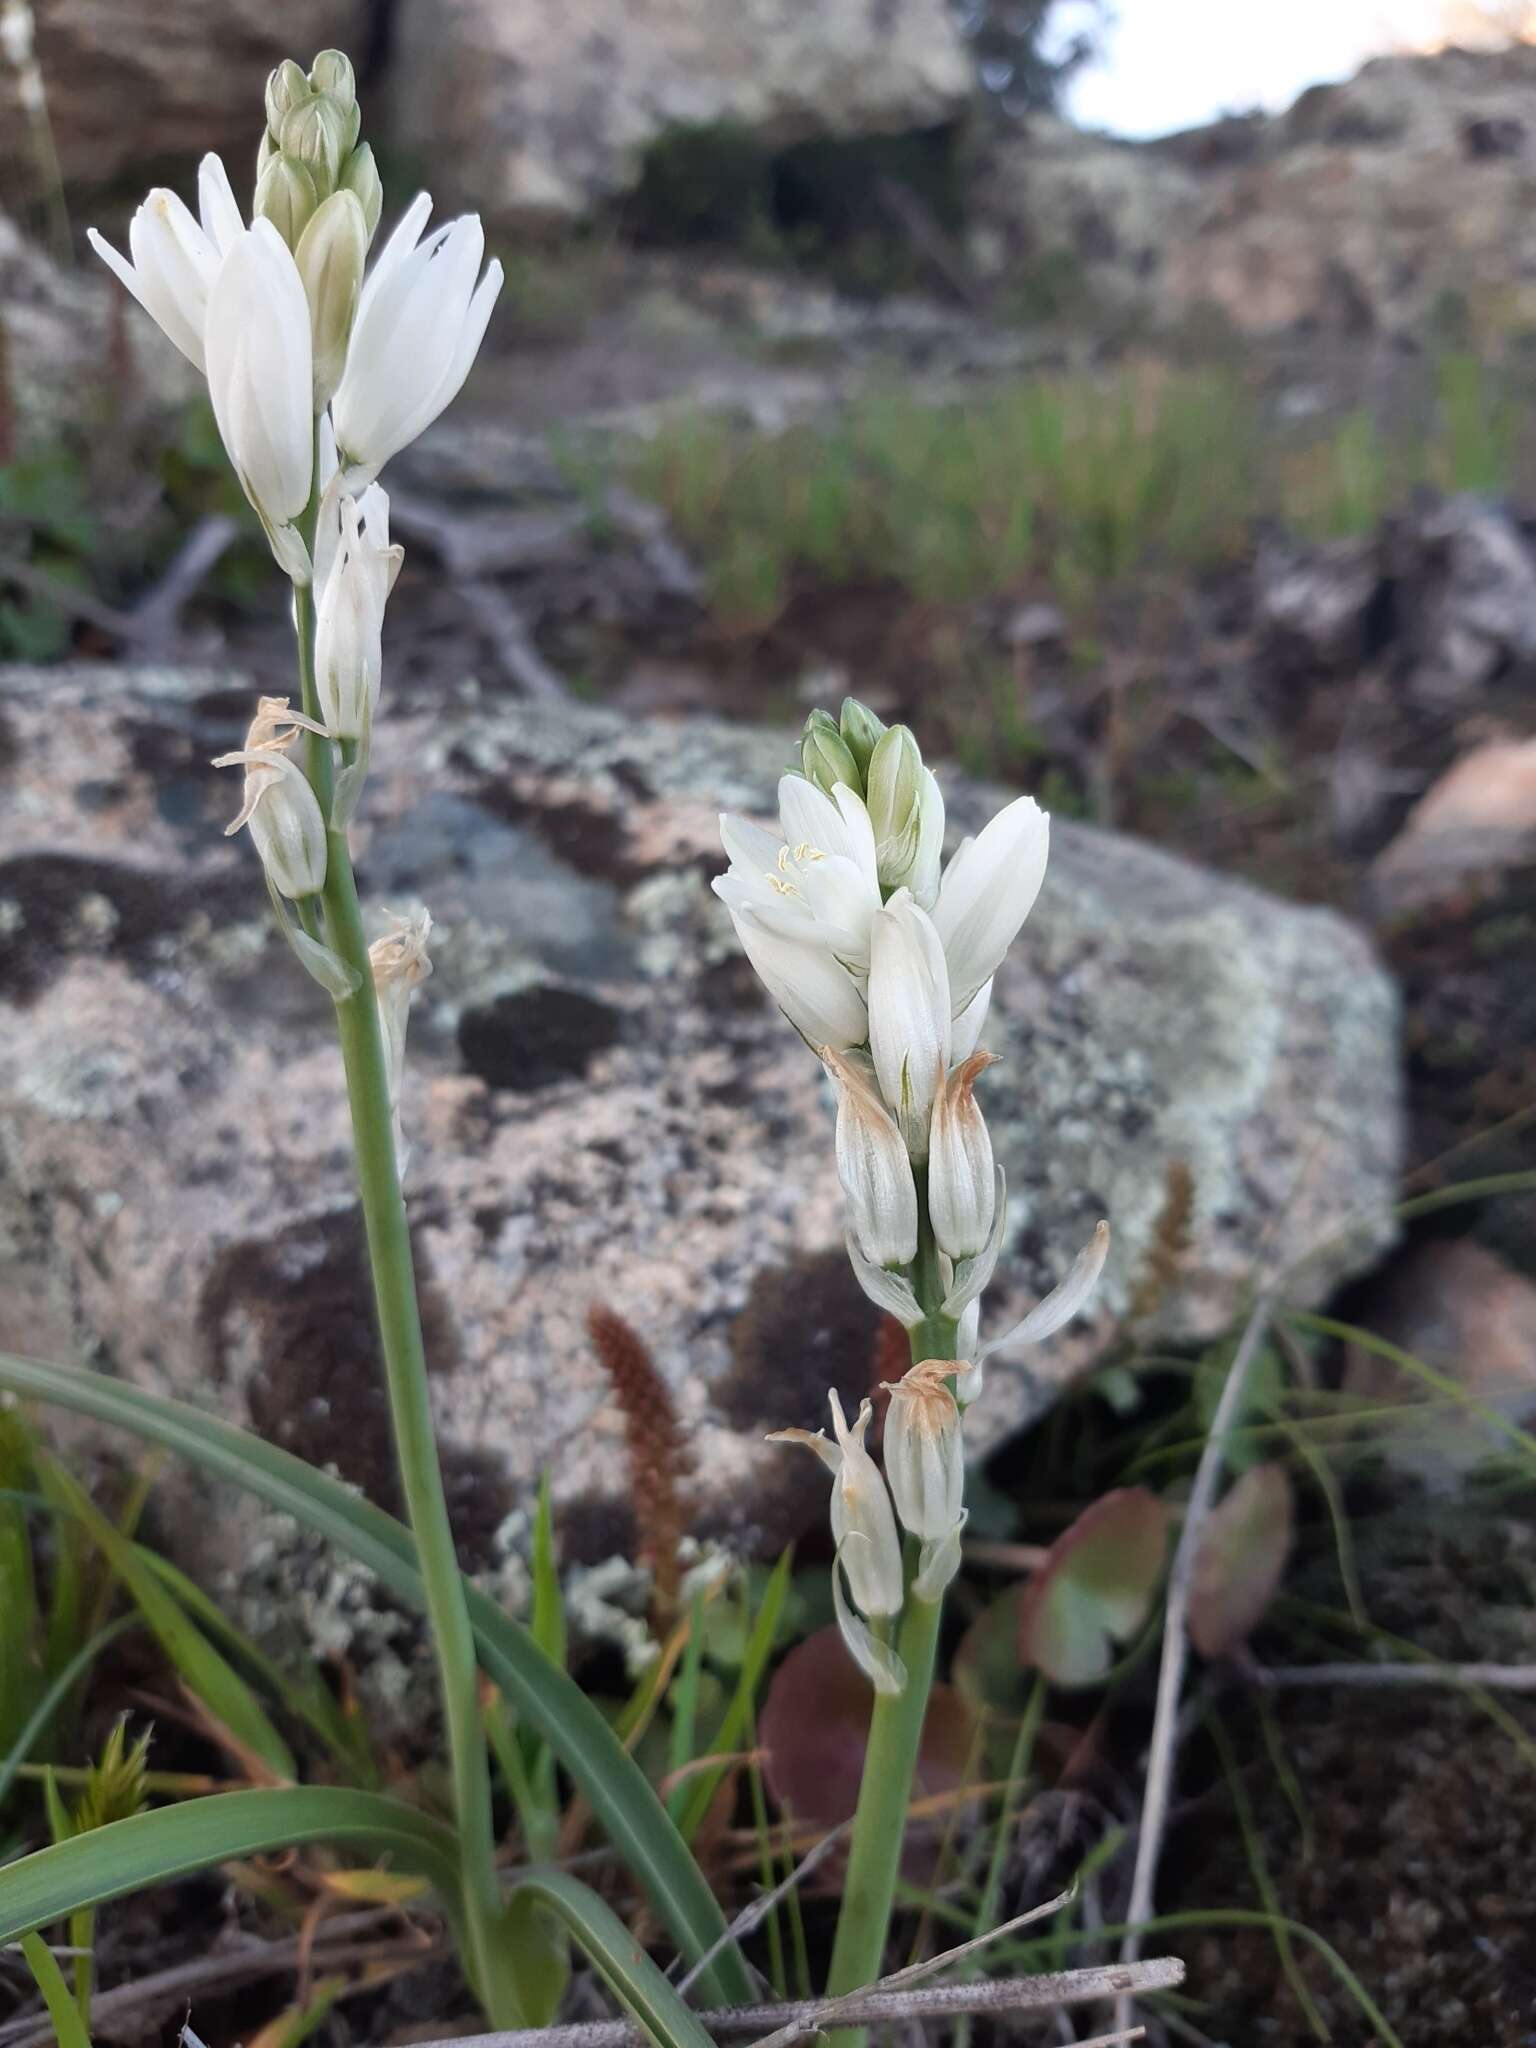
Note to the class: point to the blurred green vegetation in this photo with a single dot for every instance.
(1078, 481)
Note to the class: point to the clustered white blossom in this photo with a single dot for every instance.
(318, 370)
(883, 958)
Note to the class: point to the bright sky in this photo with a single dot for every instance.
(1171, 63)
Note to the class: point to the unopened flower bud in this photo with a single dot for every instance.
(873, 1166)
(907, 812)
(286, 86)
(286, 196)
(332, 73)
(824, 757)
(266, 149)
(909, 1015)
(316, 131)
(861, 732)
(330, 255)
(924, 1457)
(962, 1192)
(279, 806)
(360, 176)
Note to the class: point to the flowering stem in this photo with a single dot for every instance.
(895, 1734)
(405, 1366)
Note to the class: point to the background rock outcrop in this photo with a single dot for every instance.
(602, 1105)
(553, 108)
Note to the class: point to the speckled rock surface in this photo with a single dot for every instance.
(603, 1106)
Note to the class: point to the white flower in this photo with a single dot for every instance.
(924, 1456)
(803, 902)
(961, 1190)
(987, 891)
(909, 1015)
(420, 321)
(257, 344)
(359, 568)
(906, 809)
(279, 806)
(873, 1166)
(868, 1544)
(176, 260)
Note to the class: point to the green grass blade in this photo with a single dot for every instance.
(55, 1697)
(546, 1699)
(685, 1710)
(173, 1841)
(733, 1729)
(651, 2002)
(68, 2027)
(210, 1678)
(548, 1616)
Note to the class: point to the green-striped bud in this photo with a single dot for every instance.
(330, 257)
(286, 196)
(316, 132)
(861, 731)
(332, 73)
(825, 759)
(360, 176)
(907, 812)
(266, 149)
(286, 87)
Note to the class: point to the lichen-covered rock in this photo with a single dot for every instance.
(602, 1105)
(553, 108)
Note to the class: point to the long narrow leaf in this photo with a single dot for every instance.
(208, 1676)
(737, 1721)
(651, 2002)
(68, 2027)
(173, 1841)
(547, 1699)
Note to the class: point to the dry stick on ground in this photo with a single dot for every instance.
(1170, 1677)
(227, 1967)
(753, 1915)
(1496, 1677)
(869, 2008)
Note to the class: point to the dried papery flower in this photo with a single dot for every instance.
(962, 1192)
(400, 965)
(868, 1545)
(279, 806)
(924, 1455)
(873, 1166)
(657, 1451)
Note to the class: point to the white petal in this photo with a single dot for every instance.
(970, 1024)
(879, 1664)
(988, 890)
(909, 1014)
(886, 1290)
(938, 1561)
(750, 848)
(1062, 1303)
(816, 994)
(972, 1275)
(217, 205)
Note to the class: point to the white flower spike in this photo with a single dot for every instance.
(873, 1167)
(419, 325)
(176, 259)
(259, 378)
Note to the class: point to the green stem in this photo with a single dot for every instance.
(405, 1367)
(895, 1726)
